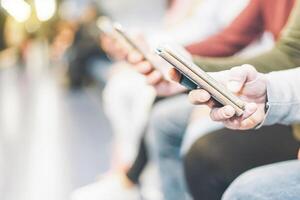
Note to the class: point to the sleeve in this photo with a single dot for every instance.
(203, 16)
(247, 27)
(283, 97)
(284, 55)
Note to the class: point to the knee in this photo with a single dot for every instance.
(167, 121)
(159, 115)
(159, 122)
(167, 115)
(251, 185)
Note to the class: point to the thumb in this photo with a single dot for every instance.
(299, 154)
(239, 76)
(174, 75)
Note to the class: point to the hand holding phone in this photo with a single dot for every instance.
(109, 40)
(200, 79)
(250, 85)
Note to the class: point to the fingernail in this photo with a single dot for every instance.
(229, 111)
(233, 86)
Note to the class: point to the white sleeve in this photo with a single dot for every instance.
(283, 93)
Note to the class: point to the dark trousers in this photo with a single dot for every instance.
(216, 159)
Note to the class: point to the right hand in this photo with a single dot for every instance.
(113, 47)
(154, 77)
(117, 50)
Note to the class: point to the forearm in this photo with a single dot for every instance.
(284, 55)
(272, 60)
(246, 27)
(283, 97)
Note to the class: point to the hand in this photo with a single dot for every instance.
(248, 85)
(113, 47)
(154, 77)
(118, 50)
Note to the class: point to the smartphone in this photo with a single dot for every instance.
(201, 79)
(105, 25)
(131, 43)
(108, 27)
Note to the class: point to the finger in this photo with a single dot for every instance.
(232, 123)
(253, 120)
(212, 103)
(223, 113)
(250, 109)
(121, 52)
(135, 57)
(144, 67)
(239, 75)
(199, 96)
(243, 123)
(116, 51)
(174, 75)
(154, 77)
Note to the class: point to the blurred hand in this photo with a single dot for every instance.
(155, 77)
(113, 47)
(117, 49)
(247, 84)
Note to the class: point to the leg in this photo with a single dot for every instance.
(141, 160)
(139, 163)
(216, 159)
(166, 129)
(280, 181)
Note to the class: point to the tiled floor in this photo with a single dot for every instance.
(51, 140)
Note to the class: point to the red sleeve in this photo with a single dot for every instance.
(247, 27)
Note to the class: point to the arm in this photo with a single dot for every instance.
(278, 92)
(200, 25)
(247, 27)
(284, 55)
(283, 96)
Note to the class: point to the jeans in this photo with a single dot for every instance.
(280, 181)
(167, 125)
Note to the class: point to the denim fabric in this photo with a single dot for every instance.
(280, 181)
(167, 125)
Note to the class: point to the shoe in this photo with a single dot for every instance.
(108, 188)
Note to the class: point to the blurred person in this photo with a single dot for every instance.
(16, 37)
(208, 13)
(204, 14)
(271, 98)
(85, 49)
(63, 39)
(125, 105)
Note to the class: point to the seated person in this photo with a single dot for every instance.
(271, 98)
(207, 12)
(287, 49)
(165, 87)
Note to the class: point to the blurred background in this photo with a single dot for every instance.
(61, 115)
(54, 136)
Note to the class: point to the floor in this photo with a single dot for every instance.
(51, 140)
